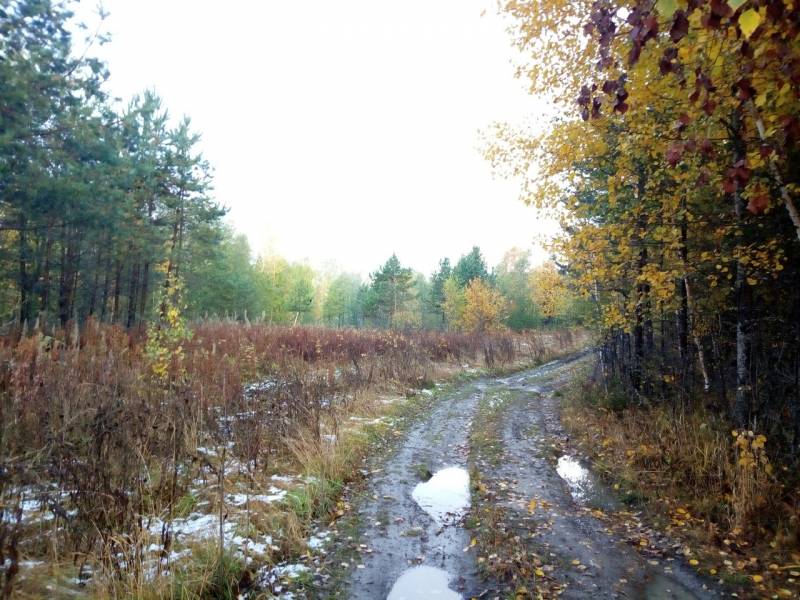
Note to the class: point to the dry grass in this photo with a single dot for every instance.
(716, 491)
(102, 446)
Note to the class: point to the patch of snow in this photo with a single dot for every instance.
(318, 540)
(367, 421)
(292, 570)
(29, 564)
(198, 527)
(283, 478)
(269, 577)
(260, 387)
(275, 495)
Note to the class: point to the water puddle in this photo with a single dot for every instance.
(576, 476)
(445, 496)
(664, 588)
(423, 583)
(583, 486)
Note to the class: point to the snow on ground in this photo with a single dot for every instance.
(203, 527)
(276, 578)
(275, 495)
(318, 540)
(367, 421)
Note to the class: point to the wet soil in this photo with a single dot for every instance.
(577, 524)
(398, 532)
(413, 519)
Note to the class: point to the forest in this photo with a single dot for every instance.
(106, 207)
(184, 417)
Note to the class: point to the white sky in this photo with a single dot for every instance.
(339, 130)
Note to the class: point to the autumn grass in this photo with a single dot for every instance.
(713, 489)
(88, 429)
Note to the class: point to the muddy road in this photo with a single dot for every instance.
(492, 460)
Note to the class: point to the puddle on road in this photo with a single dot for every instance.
(583, 486)
(576, 476)
(664, 588)
(423, 583)
(445, 496)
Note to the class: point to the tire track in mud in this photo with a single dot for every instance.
(563, 537)
(397, 532)
(562, 516)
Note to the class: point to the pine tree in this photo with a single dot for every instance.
(391, 289)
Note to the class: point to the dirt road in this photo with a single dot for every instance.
(424, 517)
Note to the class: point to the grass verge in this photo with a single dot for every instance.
(713, 491)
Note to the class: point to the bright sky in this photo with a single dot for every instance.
(342, 130)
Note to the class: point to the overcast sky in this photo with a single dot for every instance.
(342, 130)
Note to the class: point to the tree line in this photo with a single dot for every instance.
(107, 212)
(467, 295)
(673, 163)
(99, 206)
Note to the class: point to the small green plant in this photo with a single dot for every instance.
(167, 335)
(210, 576)
(185, 505)
(614, 398)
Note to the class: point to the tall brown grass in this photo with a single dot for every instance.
(99, 444)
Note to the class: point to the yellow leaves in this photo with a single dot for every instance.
(165, 338)
(484, 307)
(757, 578)
(749, 21)
(661, 282)
(532, 506)
(681, 517)
(588, 170)
(549, 290)
(667, 8)
(612, 192)
(454, 301)
(613, 316)
(694, 562)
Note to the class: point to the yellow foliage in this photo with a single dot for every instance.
(484, 307)
(165, 337)
(454, 302)
(549, 290)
